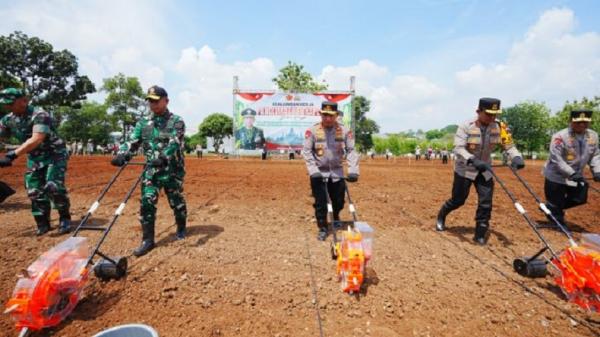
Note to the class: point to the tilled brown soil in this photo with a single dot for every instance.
(251, 259)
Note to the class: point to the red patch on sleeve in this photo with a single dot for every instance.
(307, 134)
(350, 135)
(558, 141)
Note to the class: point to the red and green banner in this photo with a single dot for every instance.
(278, 121)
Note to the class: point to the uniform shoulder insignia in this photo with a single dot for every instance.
(558, 140)
(307, 134)
(349, 135)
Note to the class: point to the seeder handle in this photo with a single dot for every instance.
(96, 203)
(543, 207)
(350, 203)
(329, 210)
(116, 215)
(521, 210)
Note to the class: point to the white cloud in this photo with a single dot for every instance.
(107, 36)
(369, 75)
(207, 84)
(550, 64)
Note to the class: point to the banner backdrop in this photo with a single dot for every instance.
(277, 121)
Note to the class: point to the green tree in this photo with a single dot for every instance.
(528, 122)
(50, 77)
(217, 126)
(91, 121)
(293, 78)
(450, 129)
(195, 139)
(365, 128)
(125, 99)
(561, 119)
(434, 134)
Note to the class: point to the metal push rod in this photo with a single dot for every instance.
(96, 204)
(116, 215)
(543, 207)
(521, 210)
(350, 203)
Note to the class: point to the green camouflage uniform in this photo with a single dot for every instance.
(160, 136)
(46, 164)
(250, 139)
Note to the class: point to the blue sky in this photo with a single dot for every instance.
(423, 64)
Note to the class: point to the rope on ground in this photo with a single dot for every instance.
(313, 286)
(583, 322)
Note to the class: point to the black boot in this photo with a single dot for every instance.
(5, 191)
(322, 235)
(180, 233)
(440, 224)
(147, 240)
(480, 233)
(43, 224)
(144, 248)
(64, 226)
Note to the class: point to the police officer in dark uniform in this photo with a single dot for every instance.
(325, 145)
(571, 149)
(474, 142)
(249, 137)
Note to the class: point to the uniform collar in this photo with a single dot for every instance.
(334, 127)
(573, 134)
(165, 115)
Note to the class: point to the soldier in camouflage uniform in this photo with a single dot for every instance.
(325, 145)
(161, 138)
(249, 137)
(571, 149)
(46, 158)
(474, 142)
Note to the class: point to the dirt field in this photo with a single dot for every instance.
(245, 268)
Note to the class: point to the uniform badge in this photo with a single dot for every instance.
(350, 135)
(307, 134)
(472, 146)
(320, 152)
(570, 156)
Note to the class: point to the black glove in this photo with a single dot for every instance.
(352, 178)
(8, 158)
(577, 177)
(517, 163)
(159, 162)
(597, 176)
(119, 160)
(317, 175)
(480, 165)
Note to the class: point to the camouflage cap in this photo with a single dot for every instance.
(9, 95)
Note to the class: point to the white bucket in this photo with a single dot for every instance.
(128, 330)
